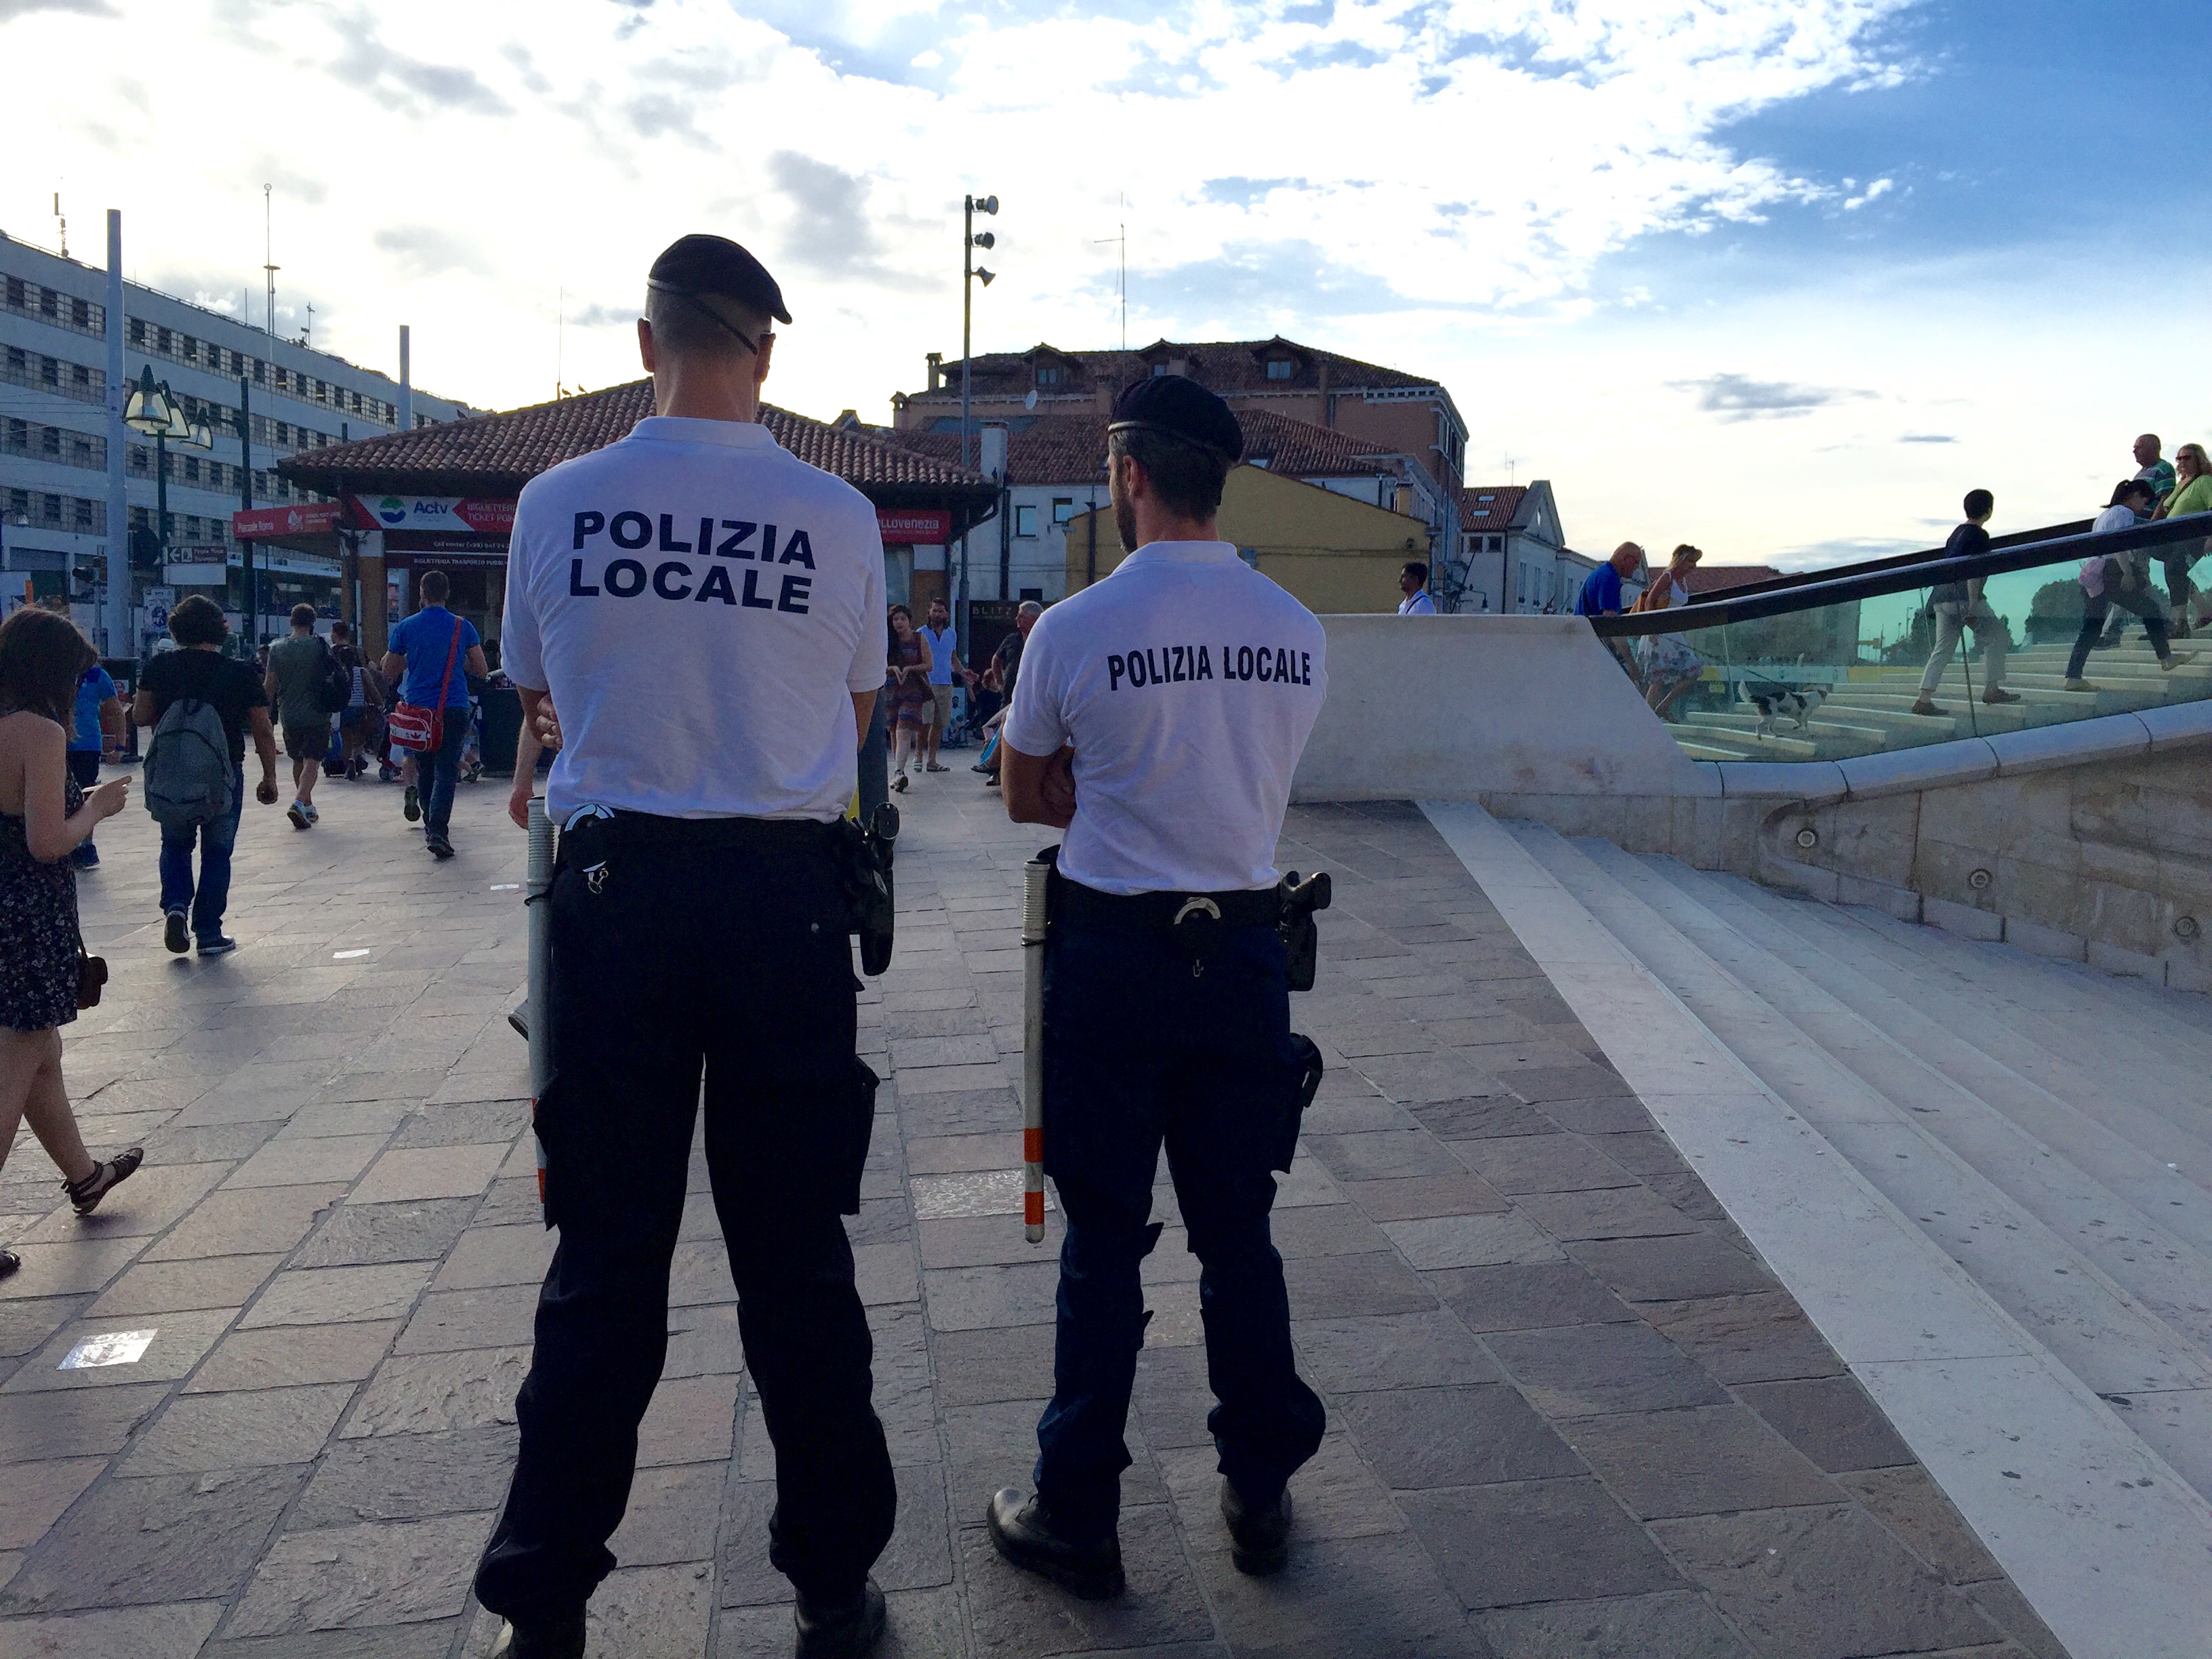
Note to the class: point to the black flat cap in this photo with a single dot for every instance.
(1179, 407)
(692, 265)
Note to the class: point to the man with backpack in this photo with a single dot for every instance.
(432, 655)
(201, 704)
(307, 685)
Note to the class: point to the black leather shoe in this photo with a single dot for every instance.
(843, 1630)
(1022, 1529)
(561, 1638)
(1259, 1537)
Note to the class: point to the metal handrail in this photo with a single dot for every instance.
(1796, 578)
(1926, 570)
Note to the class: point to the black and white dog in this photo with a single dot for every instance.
(1794, 704)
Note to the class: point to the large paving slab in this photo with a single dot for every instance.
(1571, 1414)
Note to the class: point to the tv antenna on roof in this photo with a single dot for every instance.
(268, 263)
(62, 219)
(1121, 237)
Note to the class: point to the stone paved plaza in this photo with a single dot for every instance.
(1571, 1414)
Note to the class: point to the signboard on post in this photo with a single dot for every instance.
(454, 514)
(308, 519)
(197, 566)
(912, 527)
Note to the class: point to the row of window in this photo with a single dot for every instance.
(190, 468)
(186, 529)
(1025, 518)
(51, 305)
(52, 511)
(33, 369)
(179, 347)
(54, 443)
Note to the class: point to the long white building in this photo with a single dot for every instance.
(53, 436)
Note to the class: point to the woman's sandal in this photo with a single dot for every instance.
(84, 1195)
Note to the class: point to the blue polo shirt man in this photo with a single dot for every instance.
(431, 656)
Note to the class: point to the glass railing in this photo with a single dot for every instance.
(1838, 664)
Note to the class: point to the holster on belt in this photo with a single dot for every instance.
(1301, 936)
(864, 866)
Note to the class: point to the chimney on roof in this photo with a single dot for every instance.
(936, 368)
(993, 457)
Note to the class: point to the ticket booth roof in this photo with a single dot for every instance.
(495, 455)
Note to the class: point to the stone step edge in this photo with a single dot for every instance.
(2105, 1540)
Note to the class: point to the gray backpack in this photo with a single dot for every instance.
(186, 776)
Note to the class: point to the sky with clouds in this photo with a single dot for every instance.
(1782, 277)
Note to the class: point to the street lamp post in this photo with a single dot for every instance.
(971, 273)
(157, 413)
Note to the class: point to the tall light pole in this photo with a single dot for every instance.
(118, 620)
(969, 272)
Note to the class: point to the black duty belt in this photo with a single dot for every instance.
(648, 832)
(1146, 913)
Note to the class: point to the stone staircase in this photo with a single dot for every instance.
(2048, 1128)
(1868, 716)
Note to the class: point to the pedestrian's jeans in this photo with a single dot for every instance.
(215, 837)
(1138, 1052)
(1951, 620)
(438, 770)
(738, 962)
(2128, 597)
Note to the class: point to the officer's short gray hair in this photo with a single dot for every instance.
(1029, 608)
(679, 330)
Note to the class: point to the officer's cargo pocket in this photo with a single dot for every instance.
(848, 1120)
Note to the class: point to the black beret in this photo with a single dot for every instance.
(714, 264)
(1180, 407)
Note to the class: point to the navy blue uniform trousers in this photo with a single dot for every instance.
(1139, 1053)
(735, 962)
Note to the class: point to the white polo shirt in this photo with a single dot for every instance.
(699, 603)
(1416, 604)
(1188, 683)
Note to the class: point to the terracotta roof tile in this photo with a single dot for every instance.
(497, 454)
(1071, 449)
(1223, 365)
(1720, 578)
(1490, 506)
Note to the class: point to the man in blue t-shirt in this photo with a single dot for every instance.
(98, 731)
(1601, 594)
(430, 657)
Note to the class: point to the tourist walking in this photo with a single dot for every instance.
(943, 663)
(364, 702)
(2191, 494)
(96, 735)
(1006, 669)
(432, 655)
(299, 670)
(2156, 472)
(2120, 580)
(1957, 606)
(1600, 595)
(182, 780)
(906, 686)
(44, 815)
(1670, 667)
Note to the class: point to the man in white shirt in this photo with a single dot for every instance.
(1414, 583)
(706, 613)
(1159, 715)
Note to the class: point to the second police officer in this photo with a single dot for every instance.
(706, 612)
(1159, 718)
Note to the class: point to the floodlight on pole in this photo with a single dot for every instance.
(153, 411)
(969, 272)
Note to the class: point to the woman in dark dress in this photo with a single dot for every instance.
(44, 816)
(906, 689)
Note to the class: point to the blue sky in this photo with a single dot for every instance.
(1780, 277)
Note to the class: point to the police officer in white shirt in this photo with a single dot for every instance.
(1414, 583)
(1159, 718)
(706, 612)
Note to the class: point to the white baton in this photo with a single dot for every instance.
(1035, 874)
